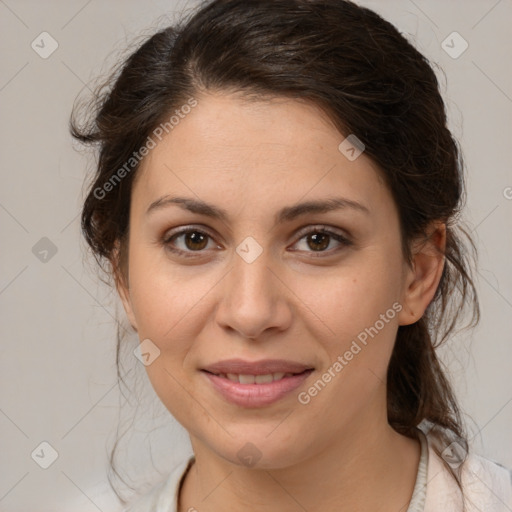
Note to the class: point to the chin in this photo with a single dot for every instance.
(259, 451)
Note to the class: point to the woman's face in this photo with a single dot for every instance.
(259, 284)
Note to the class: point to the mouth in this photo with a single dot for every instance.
(260, 368)
(256, 384)
(248, 378)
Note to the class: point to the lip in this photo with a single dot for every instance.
(256, 395)
(263, 367)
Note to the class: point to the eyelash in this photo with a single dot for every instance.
(344, 241)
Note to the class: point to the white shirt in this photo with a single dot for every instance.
(487, 486)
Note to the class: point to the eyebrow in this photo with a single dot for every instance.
(286, 214)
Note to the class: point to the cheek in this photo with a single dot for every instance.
(360, 306)
(162, 296)
(357, 296)
(167, 305)
(363, 315)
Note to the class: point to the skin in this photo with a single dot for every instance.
(292, 302)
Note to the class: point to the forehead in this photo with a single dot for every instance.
(280, 150)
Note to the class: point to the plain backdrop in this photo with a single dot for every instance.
(57, 368)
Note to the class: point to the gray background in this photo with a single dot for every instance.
(58, 381)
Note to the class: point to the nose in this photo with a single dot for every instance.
(255, 298)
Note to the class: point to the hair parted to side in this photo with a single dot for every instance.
(371, 82)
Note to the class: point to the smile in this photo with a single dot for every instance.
(251, 391)
(255, 379)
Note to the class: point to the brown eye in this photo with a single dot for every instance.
(195, 240)
(319, 241)
(187, 241)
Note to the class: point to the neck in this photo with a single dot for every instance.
(370, 467)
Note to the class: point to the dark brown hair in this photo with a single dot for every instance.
(371, 82)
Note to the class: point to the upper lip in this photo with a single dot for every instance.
(262, 367)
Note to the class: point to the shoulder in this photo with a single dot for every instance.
(164, 496)
(486, 484)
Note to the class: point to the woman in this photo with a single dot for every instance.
(276, 195)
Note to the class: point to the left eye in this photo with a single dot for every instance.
(320, 239)
(195, 240)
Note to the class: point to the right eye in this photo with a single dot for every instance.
(193, 240)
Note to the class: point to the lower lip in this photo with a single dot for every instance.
(256, 395)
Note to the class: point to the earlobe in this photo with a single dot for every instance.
(423, 277)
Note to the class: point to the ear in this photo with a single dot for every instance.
(120, 272)
(423, 276)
